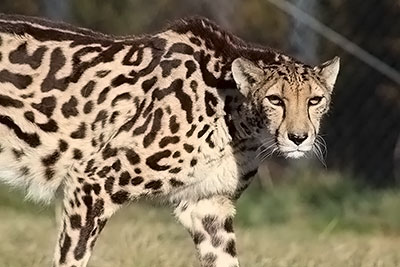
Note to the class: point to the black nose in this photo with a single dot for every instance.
(297, 138)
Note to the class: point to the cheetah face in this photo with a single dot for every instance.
(291, 99)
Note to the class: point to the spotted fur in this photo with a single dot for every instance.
(179, 115)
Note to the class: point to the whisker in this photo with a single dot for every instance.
(318, 153)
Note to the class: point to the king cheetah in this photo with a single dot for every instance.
(182, 115)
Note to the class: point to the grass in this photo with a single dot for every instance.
(320, 221)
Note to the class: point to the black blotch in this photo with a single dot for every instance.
(150, 137)
(51, 126)
(137, 180)
(124, 96)
(65, 248)
(180, 48)
(132, 156)
(210, 224)
(77, 154)
(76, 221)
(209, 259)
(100, 117)
(175, 183)
(211, 102)
(113, 116)
(21, 56)
(165, 141)
(102, 73)
(152, 161)
(103, 95)
(46, 106)
(18, 80)
(124, 178)
(87, 108)
(168, 65)
(191, 67)
(188, 148)
(51, 159)
(175, 170)
(148, 84)
(79, 133)
(7, 101)
(195, 41)
(30, 116)
(109, 152)
(155, 185)
(69, 109)
(116, 165)
(203, 131)
(173, 125)
(230, 248)
(209, 141)
(62, 145)
(104, 171)
(32, 140)
(57, 61)
(109, 184)
(191, 131)
(120, 197)
(87, 90)
(198, 238)
(228, 225)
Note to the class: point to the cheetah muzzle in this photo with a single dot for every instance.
(185, 115)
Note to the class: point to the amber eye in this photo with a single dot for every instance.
(275, 100)
(315, 100)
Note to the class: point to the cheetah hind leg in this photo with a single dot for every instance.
(209, 221)
(83, 218)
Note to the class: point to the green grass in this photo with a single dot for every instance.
(318, 220)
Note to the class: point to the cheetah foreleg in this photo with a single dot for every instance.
(209, 221)
(83, 218)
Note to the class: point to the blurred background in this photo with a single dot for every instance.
(348, 212)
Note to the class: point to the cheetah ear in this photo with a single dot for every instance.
(328, 71)
(246, 74)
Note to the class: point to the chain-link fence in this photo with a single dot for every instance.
(362, 130)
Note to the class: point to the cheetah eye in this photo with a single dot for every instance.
(314, 100)
(275, 100)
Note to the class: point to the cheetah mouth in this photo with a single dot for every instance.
(295, 154)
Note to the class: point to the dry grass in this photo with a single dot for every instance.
(142, 237)
(324, 222)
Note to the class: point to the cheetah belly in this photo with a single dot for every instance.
(20, 167)
(13, 174)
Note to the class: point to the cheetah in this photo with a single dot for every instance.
(185, 116)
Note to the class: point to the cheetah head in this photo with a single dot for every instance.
(290, 98)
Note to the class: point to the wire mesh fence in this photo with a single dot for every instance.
(363, 127)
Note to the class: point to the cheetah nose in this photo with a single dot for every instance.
(297, 138)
